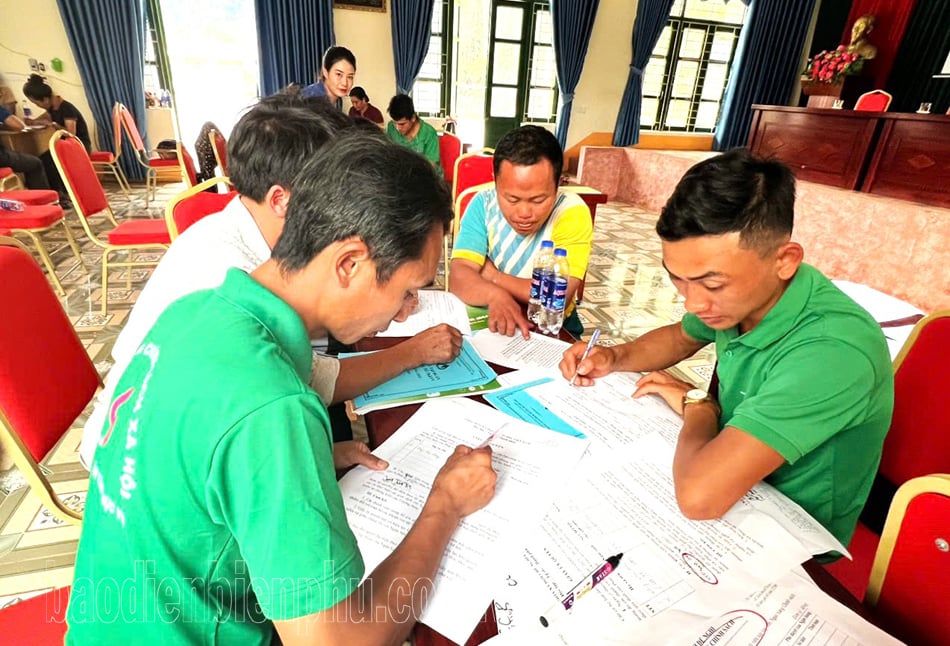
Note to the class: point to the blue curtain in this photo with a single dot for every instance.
(573, 23)
(291, 38)
(766, 66)
(108, 42)
(412, 24)
(650, 20)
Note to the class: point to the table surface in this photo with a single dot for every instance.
(381, 424)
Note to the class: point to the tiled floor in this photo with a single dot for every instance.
(627, 293)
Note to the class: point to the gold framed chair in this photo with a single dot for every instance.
(89, 199)
(461, 203)
(194, 203)
(219, 145)
(38, 327)
(106, 163)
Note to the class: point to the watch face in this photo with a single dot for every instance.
(696, 393)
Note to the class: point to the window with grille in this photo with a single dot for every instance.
(685, 80)
(431, 93)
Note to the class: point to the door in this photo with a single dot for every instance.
(522, 83)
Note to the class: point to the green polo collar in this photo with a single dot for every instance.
(783, 316)
(281, 320)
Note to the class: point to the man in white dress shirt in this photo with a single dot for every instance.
(267, 147)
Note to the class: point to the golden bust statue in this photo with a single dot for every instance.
(859, 37)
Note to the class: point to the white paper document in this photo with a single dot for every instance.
(627, 505)
(531, 463)
(789, 610)
(516, 352)
(883, 307)
(435, 306)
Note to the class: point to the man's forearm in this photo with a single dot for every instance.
(363, 373)
(700, 427)
(658, 349)
(519, 288)
(467, 283)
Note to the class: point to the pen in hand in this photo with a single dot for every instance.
(590, 346)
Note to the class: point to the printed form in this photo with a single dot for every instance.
(626, 504)
(435, 307)
(381, 506)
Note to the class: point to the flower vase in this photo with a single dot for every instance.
(815, 88)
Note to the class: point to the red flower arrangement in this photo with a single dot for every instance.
(829, 67)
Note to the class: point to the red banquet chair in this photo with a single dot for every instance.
(219, 146)
(142, 156)
(38, 621)
(106, 162)
(873, 101)
(450, 148)
(191, 205)
(189, 175)
(9, 179)
(909, 590)
(89, 199)
(37, 218)
(917, 443)
(41, 361)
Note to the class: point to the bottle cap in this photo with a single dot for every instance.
(560, 252)
(547, 244)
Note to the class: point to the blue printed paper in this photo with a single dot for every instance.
(518, 403)
(468, 373)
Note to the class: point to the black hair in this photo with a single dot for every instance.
(401, 107)
(36, 88)
(335, 54)
(732, 192)
(366, 186)
(276, 137)
(359, 93)
(526, 146)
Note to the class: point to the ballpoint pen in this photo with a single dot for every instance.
(590, 346)
(581, 589)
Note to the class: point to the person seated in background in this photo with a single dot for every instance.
(806, 386)
(217, 476)
(362, 108)
(31, 166)
(204, 152)
(268, 146)
(7, 99)
(407, 129)
(504, 226)
(336, 76)
(59, 111)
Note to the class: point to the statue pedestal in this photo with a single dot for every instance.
(846, 88)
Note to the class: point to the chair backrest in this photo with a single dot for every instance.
(873, 101)
(463, 200)
(918, 442)
(450, 147)
(38, 621)
(79, 176)
(191, 205)
(189, 175)
(220, 147)
(46, 377)
(473, 169)
(117, 129)
(131, 129)
(909, 588)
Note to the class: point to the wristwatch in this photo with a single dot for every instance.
(696, 396)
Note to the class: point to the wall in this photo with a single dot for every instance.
(44, 39)
(597, 96)
(368, 34)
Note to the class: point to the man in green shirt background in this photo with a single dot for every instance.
(214, 515)
(407, 129)
(806, 387)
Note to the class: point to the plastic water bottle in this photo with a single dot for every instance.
(12, 205)
(166, 99)
(554, 294)
(544, 261)
(27, 111)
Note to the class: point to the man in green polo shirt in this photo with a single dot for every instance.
(214, 515)
(806, 387)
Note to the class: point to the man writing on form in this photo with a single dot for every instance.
(806, 387)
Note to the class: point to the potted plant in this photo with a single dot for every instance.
(826, 71)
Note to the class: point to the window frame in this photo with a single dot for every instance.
(447, 36)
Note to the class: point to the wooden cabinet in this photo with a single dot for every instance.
(900, 155)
